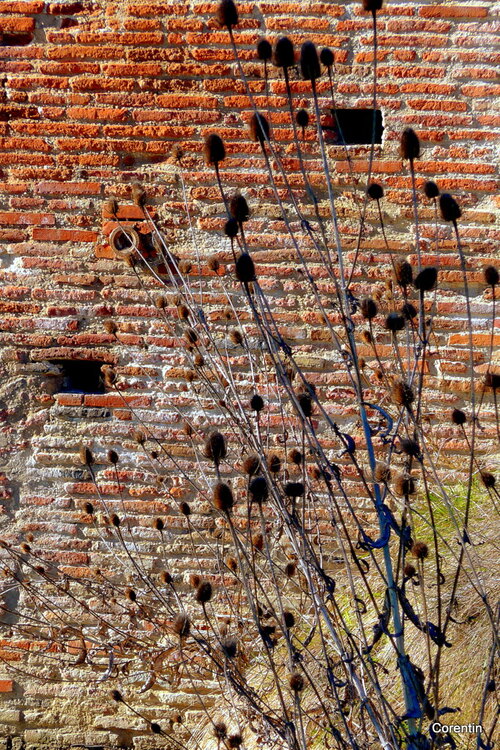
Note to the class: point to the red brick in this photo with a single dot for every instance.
(64, 235)
(453, 11)
(6, 686)
(21, 6)
(29, 218)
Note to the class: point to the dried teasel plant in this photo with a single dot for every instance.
(310, 578)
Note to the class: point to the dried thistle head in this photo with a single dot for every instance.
(89, 509)
(260, 130)
(181, 625)
(402, 394)
(236, 337)
(372, 5)
(410, 145)
(410, 447)
(420, 550)
(204, 592)
(220, 730)
(231, 228)
(256, 403)
(139, 195)
(409, 570)
(488, 479)
(296, 682)
(139, 437)
(110, 327)
(404, 272)
(161, 302)
(394, 322)
(458, 417)
(238, 208)
(245, 268)
(215, 447)
(223, 497)
(229, 647)
(113, 457)
(111, 207)
(232, 564)
(183, 312)
(295, 456)
(165, 577)
(191, 336)
(491, 275)
(284, 53)
(450, 210)
(251, 465)
(431, 190)
(258, 542)
(294, 489)
(426, 280)
(382, 472)
(375, 191)
(302, 118)
(409, 311)
(159, 524)
(131, 595)
(305, 403)
(235, 740)
(227, 14)
(117, 696)
(288, 619)
(214, 150)
(368, 308)
(258, 490)
(115, 520)
(404, 485)
(326, 57)
(213, 263)
(185, 509)
(309, 62)
(264, 50)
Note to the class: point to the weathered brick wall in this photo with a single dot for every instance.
(94, 94)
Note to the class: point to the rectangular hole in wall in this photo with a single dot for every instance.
(354, 127)
(79, 376)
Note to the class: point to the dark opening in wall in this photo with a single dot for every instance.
(79, 376)
(355, 126)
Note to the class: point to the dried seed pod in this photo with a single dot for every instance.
(296, 682)
(458, 417)
(131, 595)
(155, 727)
(89, 509)
(113, 457)
(410, 447)
(181, 625)
(366, 337)
(426, 280)
(236, 337)
(382, 472)
(198, 360)
(488, 479)
(264, 50)
(404, 272)
(491, 276)
(284, 53)
(431, 190)
(86, 456)
(111, 206)
(235, 740)
(326, 57)
(227, 14)
(231, 228)
(274, 464)
(258, 490)
(404, 485)
(185, 509)
(229, 647)
(161, 302)
(220, 730)
(288, 619)
(309, 62)
(139, 437)
(215, 447)
(368, 308)
(117, 696)
(194, 580)
(294, 489)
(245, 268)
(115, 520)
(259, 128)
(410, 145)
(302, 118)
(214, 150)
(420, 550)
(409, 311)
(251, 465)
(394, 322)
(165, 577)
(183, 312)
(139, 195)
(159, 524)
(110, 327)
(409, 570)
(256, 403)
(305, 403)
(223, 497)
(450, 210)
(191, 336)
(372, 5)
(492, 380)
(402, 394)
(295, 456)
(290, 569)
(238, 208)
(375, 191)
(204, 592)
(258, 542)
(213, 263)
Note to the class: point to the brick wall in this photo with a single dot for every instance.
(94, 95)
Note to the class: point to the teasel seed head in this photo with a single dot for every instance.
(86, 456)
(256, 403)
(258, 490)
(198, 360)
(115, 520)
(409, 311)
(284, 53)
(410, 145)
(305, 403)
(185, 509)
(131, 595)
(410, 447)
(245, 268)
(296, 682)
(213, 263)
(264, 50)
(368, 308)
(375, 191)
(25, 548)
(215, 447)
(194, 580)
(290, 569)
(404, 273)
(366, 337)
(159, 524)
(214, 150)
(181, 625)
(110, 327)
(302, 118)
(139, 195)
(139, 437)
(238, 208)
(409, 570)
(394, 322)
(491, 275)
(229, 647)
(431, 190)
(488, 479)
(251, 465)
(220, 730)
(309, 62)
(231, 228)
(294, 489)
(223, 497)
(204, 592)
(426, 280)
(227, 14)
(404, 485)
(372, 5)
(450, 210)
(113, 457)
(183, 312)
(161, 302)
(155, 727)
(232, 564)
(259, 128)
(111, 206)
(382, 472)
(89, 509)
(288, 619)
(420, 550)
(191, 336)
(402, 394)
(258, 542)
(236, 337)
(458, 417)
(492, 380)
(165, 577)
(117, 696)
(326, 57)
(235, 740)
(295, 457)
(274, 464)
